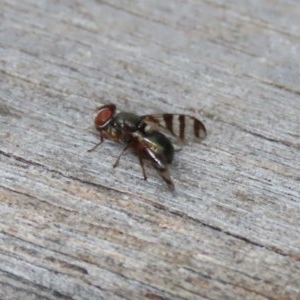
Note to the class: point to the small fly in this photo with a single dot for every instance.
(151, 137)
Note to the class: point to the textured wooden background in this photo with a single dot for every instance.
(72, 227)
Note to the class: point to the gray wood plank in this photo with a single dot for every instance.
(72, 227)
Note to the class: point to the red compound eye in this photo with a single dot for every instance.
(105, 114)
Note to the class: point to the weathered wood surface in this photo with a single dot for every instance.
(71, 227)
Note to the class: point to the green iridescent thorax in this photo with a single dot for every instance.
(126, 120)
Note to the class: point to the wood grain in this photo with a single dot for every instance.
(72, 227)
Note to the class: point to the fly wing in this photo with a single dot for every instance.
(180, 128)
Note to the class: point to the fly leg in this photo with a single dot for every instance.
(98, 144)
(142, 165)
(123, 151)
(140, 155)
(165, 174)
(159, 163)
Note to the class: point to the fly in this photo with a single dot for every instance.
(151, 137)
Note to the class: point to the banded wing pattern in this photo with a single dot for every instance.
(182, 127)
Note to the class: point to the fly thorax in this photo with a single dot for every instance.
(127, 121)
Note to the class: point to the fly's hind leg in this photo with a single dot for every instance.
(159, 163)
(166, 176)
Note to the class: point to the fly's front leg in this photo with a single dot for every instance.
(98, 144)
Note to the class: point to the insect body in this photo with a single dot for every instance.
(147, 135)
